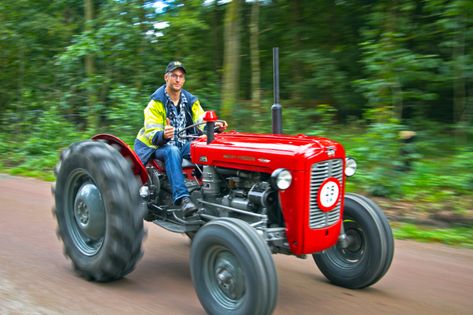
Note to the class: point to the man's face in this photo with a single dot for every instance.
(175, 80)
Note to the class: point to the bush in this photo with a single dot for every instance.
(51, 133)
(378, 155)
(315, 121)
(36, 151)
(125, 113)
(442, 179)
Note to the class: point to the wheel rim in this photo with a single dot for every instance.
(224, 277)
(85, 213)
(355, 253)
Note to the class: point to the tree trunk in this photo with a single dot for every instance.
(395, 83)
(20, 83)
(460, 112)
(297, 67)
(255, 63)
(92, 114)
(231, 61)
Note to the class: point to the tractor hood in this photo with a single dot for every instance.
(264, 152)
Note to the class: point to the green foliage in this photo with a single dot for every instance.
(316, 121)
(442, 178)
(4, 148)
(409, 55)
(322, 77)
(388, 66)
(125, 114)
(394, 71)
(377, 152)
(208, 94)
(458, 236)
(36, 152)
(51, 133)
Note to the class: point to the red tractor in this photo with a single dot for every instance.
(257, 194)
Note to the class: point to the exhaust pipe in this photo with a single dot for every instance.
(276, 109)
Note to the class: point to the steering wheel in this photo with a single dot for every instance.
(181, 134)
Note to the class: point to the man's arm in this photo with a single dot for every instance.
(155, 120)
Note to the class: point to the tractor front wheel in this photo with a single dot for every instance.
(369, 250)
(232, 269)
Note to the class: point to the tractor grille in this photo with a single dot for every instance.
(320, 172)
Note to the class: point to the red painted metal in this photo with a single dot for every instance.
(266, 153)
(210, 116)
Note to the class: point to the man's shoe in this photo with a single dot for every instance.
(188, 207)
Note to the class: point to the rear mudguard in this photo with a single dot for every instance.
(138, 168)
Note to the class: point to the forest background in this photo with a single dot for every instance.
(369, 74)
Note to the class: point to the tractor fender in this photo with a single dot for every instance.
(121, 146)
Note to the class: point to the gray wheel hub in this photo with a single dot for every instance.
(89, 212)
(229, 276)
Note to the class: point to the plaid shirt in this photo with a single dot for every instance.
(178, 118)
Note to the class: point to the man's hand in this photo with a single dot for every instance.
(168, 130)
(221, 125)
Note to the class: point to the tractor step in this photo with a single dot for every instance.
(171, 219)
(179, 227)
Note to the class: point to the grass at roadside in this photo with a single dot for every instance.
(27, 172)
(455, 236)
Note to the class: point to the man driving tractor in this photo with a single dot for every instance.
(170, 110)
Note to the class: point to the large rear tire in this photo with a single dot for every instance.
(232, 269)
(370, 251)
(98, 210)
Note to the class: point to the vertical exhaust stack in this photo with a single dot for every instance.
(276, 109)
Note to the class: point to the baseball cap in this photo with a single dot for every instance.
(173, 65)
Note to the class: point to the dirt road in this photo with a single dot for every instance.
(35, 277)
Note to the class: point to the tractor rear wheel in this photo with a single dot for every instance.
(98, 210)
(370, 246)
(232, 269)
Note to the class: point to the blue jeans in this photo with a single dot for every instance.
(172, 157)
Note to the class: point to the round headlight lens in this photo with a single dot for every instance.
(350, 166)
(282, 178)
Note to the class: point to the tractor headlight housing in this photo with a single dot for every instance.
(350, 166)
(281, 179)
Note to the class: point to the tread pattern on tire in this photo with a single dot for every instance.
(258, 251)
(375, 266)
(121, 248)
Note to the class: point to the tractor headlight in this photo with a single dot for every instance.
(350, 166)
(281, 179)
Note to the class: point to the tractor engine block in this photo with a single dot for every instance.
(241, 190)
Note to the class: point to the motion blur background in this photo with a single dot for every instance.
(391, 80)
